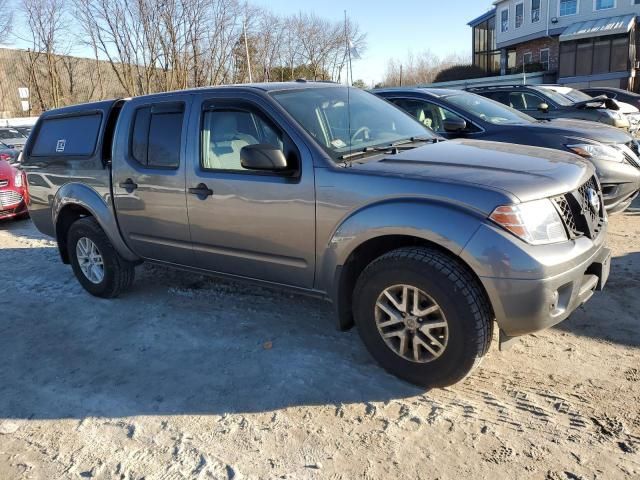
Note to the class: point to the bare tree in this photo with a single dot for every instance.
(419, 69)
(6, 20)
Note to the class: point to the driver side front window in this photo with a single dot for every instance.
(429, 114)
(226, 131)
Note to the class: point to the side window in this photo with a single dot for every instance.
(525, 101)
(430, 115)
(67, 136)
(226, 131)
(156, 135)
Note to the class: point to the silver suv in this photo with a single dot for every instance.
(329, 191)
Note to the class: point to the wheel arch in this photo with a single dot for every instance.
(74, 201)
(365, 236)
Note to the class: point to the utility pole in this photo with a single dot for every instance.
(246, 48)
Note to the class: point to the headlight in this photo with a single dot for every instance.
(17, 181)
(597, 151)
(537, 222)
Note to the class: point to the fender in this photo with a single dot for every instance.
(447, 225)
(100, 208)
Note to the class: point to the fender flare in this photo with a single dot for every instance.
(81, 195)
(446, 225)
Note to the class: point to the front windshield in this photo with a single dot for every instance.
(9, 133)
(558, 97)
(577, 95)
(345, 120)
(489, 110)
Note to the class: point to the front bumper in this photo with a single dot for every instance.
(532, 288)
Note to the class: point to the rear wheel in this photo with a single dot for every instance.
(422, 316)
(97, 265)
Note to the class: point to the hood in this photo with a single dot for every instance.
(598, 102)
(598, 132)
(626, 108)
(526, 173)
(6, 171)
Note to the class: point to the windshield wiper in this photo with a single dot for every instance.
(392, 148)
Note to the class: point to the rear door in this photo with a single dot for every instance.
(149, 178)
(252, 224)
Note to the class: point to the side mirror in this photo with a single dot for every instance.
(543, 107)
(454, 125)
(263, 156)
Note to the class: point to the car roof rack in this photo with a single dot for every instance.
(498, 87)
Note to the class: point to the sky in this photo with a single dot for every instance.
(396, 28)
(393, 29)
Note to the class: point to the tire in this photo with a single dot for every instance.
(118, 274)
(439, 280)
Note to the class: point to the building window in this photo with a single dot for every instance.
(544, 59)
(519, 14)
(568, 7)
(595, 56)
(584, 59)
(604, 4)
(535, 11)
(527, 58)
(504, 21)
(485, 52)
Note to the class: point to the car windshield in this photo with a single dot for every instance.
(558, 97)
(7, 133)
(345, 120)
(489, 110)
(577, 95)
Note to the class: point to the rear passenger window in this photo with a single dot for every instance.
(156, 135)
(67, 136)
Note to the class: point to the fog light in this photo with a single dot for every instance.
(554, 301)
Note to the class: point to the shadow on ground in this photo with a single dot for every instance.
(177, 344)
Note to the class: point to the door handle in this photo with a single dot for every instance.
(129, 185)
(201, 191)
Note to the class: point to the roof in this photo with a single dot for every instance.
(434, 92)
(598, 28)
(482, 18)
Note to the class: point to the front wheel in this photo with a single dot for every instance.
(422, 316)
(97, 265)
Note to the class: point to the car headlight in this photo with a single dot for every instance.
(596, 151)
(536, 222)
(17, 181)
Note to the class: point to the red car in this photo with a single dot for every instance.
(13, 191)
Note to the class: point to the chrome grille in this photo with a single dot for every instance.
(9, 198)
(579, 216)
(4, 183)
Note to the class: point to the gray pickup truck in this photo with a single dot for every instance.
(330, 191)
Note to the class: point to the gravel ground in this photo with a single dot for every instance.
(192, 377)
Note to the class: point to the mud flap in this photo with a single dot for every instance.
(506, 342)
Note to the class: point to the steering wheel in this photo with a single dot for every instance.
(363, 132)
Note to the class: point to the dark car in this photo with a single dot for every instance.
(544, 103)
(460, 114)
(26, 131)
(9, 154)
(12, 138)
(615, 93)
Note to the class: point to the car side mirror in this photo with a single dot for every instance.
(543, 107)
(454, 125)
(263, 156)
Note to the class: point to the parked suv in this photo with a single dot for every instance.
(460, 114)
(329, 191)
(544, 103)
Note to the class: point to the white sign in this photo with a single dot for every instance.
(62, 143)
(23, 92)
(25, 105)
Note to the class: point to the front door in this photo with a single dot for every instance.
(149, 179)
(252, 224)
